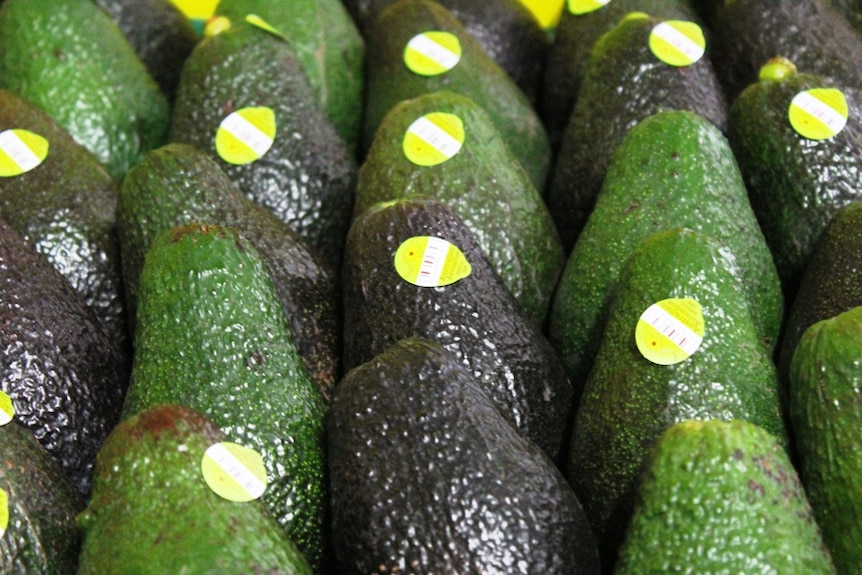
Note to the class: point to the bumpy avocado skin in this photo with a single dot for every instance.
(826, 412)
(476, 318)
(429, 477)
(70, 59)
(308, 176)
(210, 334)
(483, 184)
(41, 535)
(152, 511)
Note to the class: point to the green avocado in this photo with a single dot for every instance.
(722, 497)
(826, 414)
(211, 335)
(69, 58)
(851, 10)
(429, 477)
(154, 512)
(695, 356)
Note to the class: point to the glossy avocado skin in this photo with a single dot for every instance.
(429, 477)
(308, 176)
(722, 497)
(628, 400)
(623, 83)
(476, 317)
(41, 535)
(826, 412)
(179, 184)
(210, 334)
(70, 59)
(59, 364)
(152, 511)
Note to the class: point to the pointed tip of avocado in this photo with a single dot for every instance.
(777, 68)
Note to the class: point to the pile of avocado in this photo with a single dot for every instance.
(336, 287)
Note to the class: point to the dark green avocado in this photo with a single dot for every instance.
(429, 477)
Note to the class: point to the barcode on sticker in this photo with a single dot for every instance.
(434, 51)
(672, 328)
(691, 50)
(433, 261)
(236, 470)
(18, 151)
(435, 136)
(820, 110)
(247, 133)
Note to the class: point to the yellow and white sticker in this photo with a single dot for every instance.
(818, 114)
(670, 331)
(21, 151)
(4, 511)
(433, 139)
(7, 409)
(234, 472)
(677, 42)
(578, 7)
(245, 135)
(432, 53)
(428, 261)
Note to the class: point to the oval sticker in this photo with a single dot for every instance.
(670, 331)
(4, 511)
(245, 135)
(21, 151)
(547, 12)
(677, 42)
(428, 261)
(433, 139)
(818, 114)
(7, 409)
(578, 7)
(432, 53)
(234, 472)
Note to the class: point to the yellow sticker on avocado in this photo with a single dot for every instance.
(21, 151)
(578, 7)
(245, 135)
(234, 472)
(7, 409)
(4, 511)
(433, 139)
(432, 53)
(547, 12)
(428, 261)
(677, 42)
(259, 22)
(670, 331)
(818, 114)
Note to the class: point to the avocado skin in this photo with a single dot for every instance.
(809, 33)
(722, 497)
(628, 400)
(483, 184)
(476, 318)
(41, 536)
(412, 435)
(623, 83)
(673, 169)
(795, 184)
(851, 10)
(70, 59)
(476, 76)
(65, 209)
(308, 176)
(179, 184)
(826, 413)
(59, 365)
(210, 334)
(152, 512)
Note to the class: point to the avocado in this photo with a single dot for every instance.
(429, 477)
(60, 367)
(809, 33)
(795, 182)
(483, 183)
(673, 169)
(473, 74)
(574, 38)
(178, 184)
(64, 207)
(623, 82)
(307, 175)
(69, 58)
(722, 497)
(210, 334)
(851, 10)
(39, 504)
(633, 393)
(475, 317)
(832, 283)
(153, 511)
(329, 48)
